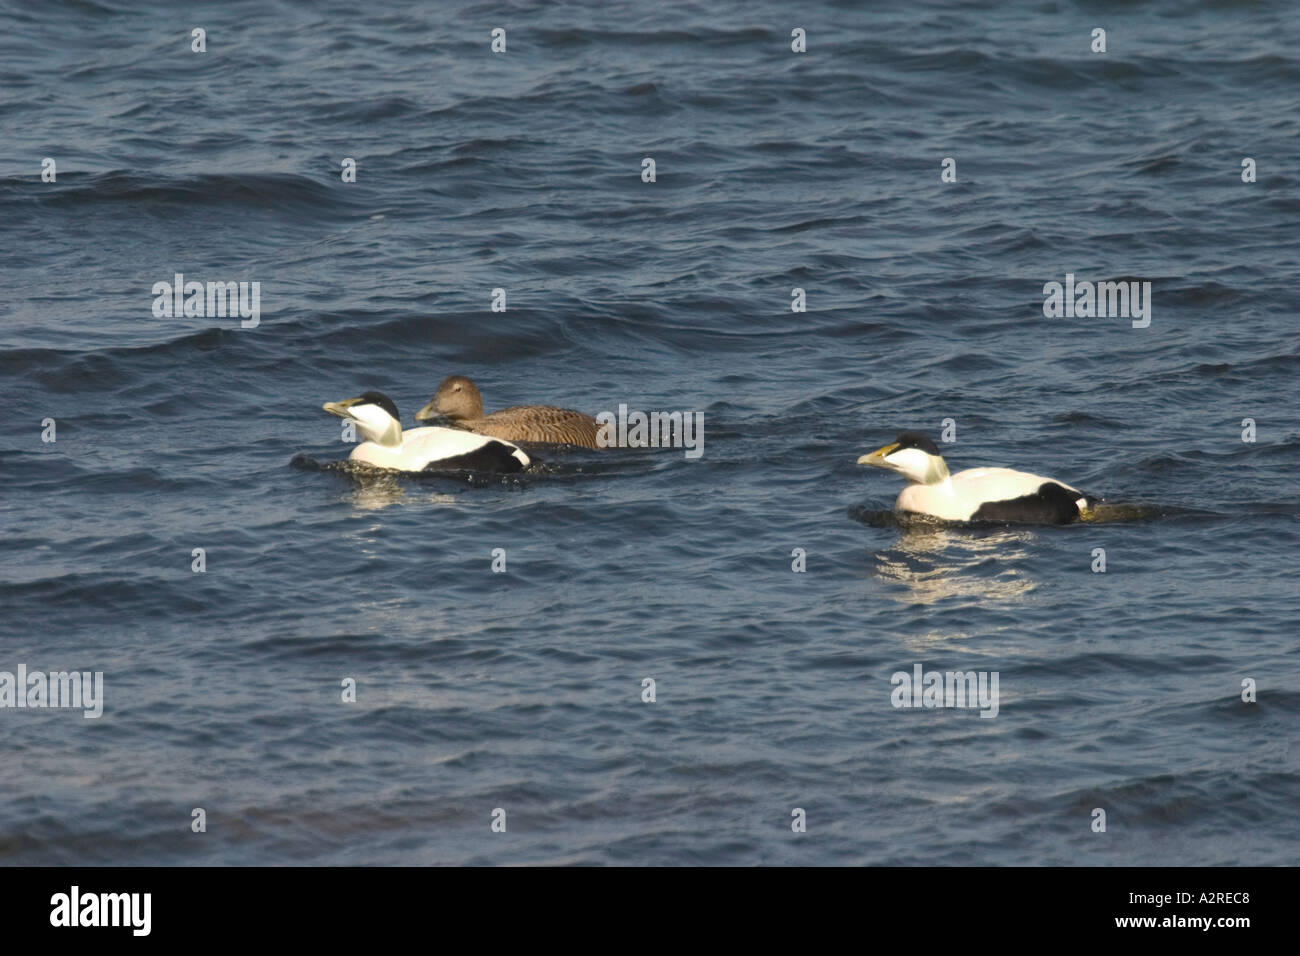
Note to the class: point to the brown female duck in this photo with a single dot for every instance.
(458, 401)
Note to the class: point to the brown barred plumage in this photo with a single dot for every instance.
(459, 401)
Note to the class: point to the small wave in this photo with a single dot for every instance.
(616, 39)
(277, 192)
(65, 372)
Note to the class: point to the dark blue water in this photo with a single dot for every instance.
(522, 690)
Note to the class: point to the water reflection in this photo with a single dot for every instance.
(379, 492)
(373, 496)
(372, 489)
(936, 562)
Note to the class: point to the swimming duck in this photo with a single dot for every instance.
(976, 494)
(386, 445)
(458, 400)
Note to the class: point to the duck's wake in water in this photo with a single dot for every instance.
(1107, 512)
(1099, 512)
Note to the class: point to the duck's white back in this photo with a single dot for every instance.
(422, 446)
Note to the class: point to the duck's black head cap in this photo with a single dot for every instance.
(382, 400)
(917, 440)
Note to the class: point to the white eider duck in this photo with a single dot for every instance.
(458, 401)
(416, 449)
(976, 494)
